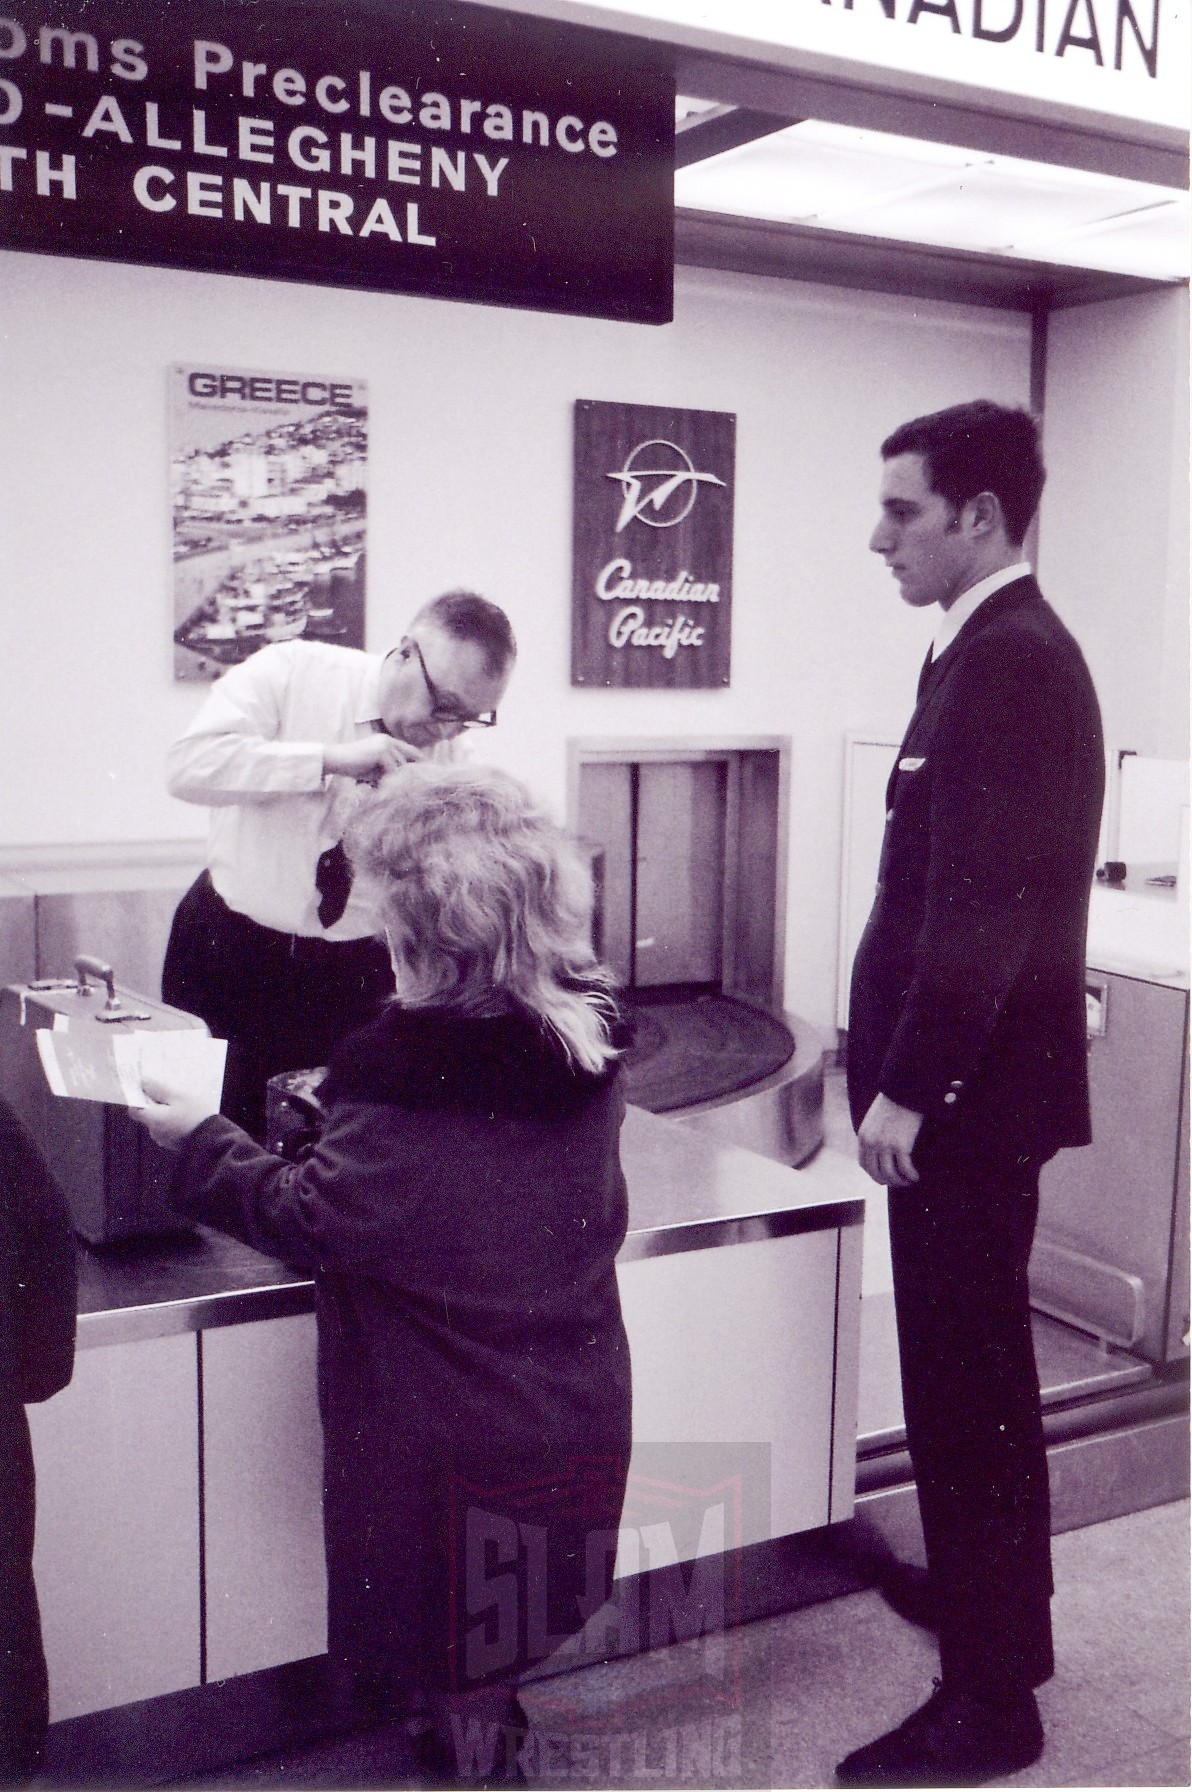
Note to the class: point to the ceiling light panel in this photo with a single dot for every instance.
(837, 177)
(1156, 244)
(986, 206)
(791, 178)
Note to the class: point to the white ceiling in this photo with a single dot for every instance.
(836, 177)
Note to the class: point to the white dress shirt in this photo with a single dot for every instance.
(952, 621)
(254, 756)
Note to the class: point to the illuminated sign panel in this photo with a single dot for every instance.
(1124, 58)
(430, 148)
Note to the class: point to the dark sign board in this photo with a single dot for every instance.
(651, 595)
(434, 147)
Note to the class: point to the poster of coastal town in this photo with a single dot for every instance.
(269, 492)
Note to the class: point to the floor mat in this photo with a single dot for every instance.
(697, 1048)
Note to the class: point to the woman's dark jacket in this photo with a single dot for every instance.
(461, 1211)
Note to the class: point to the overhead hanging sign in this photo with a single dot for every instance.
(427, 147)
(1125, 58)
(652, 546)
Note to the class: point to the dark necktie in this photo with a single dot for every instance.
(333, 871)
(333, 880)
(925, 674)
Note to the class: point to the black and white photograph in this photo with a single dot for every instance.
(594, 894)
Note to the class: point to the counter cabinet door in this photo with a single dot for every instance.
(266, 1583)
(745, 1371)
(117, 1556)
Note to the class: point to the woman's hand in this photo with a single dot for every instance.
(172, 1113)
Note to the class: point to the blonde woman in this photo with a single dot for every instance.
(461, 1213)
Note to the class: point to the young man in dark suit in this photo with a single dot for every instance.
(967, 1062)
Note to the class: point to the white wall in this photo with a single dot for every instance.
(1113, 546)
(470, 469)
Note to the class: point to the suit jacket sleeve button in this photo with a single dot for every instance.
(950, 1097)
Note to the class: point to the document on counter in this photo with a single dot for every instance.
(100, 1066)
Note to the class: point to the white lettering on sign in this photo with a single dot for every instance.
(616, 583)
(334, 93)
(217, 72)
(629, 628)
(208, 196)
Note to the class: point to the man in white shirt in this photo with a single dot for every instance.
(271, 946)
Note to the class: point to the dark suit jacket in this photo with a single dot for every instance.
(967, 997)
(37, 1272)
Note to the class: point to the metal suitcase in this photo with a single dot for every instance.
(114, 1178)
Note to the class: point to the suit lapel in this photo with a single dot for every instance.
(935, 673)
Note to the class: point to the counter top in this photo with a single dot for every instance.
(686, 1192)
(1139, 930)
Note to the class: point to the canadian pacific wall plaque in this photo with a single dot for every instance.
(652, 546)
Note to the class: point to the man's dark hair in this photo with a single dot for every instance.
(470, 617)
(979, 447)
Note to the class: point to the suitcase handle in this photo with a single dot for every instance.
(113, 1010)
(95, 967)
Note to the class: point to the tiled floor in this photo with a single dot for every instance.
(777, 1703)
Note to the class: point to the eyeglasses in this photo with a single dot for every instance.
(441, 708)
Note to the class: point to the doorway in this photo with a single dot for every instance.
(693, 840)
(690, 839)
(660, 827)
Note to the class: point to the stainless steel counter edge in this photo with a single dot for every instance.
(712, 1234)
(243, 1306)
(195, 1313)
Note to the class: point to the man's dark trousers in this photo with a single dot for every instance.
(960, 1240)
(283, 1002)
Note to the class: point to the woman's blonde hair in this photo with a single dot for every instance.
(482, 893)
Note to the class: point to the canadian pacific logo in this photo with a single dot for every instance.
(658, 476)
(659, 487)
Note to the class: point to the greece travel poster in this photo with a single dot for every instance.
(268, 483)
